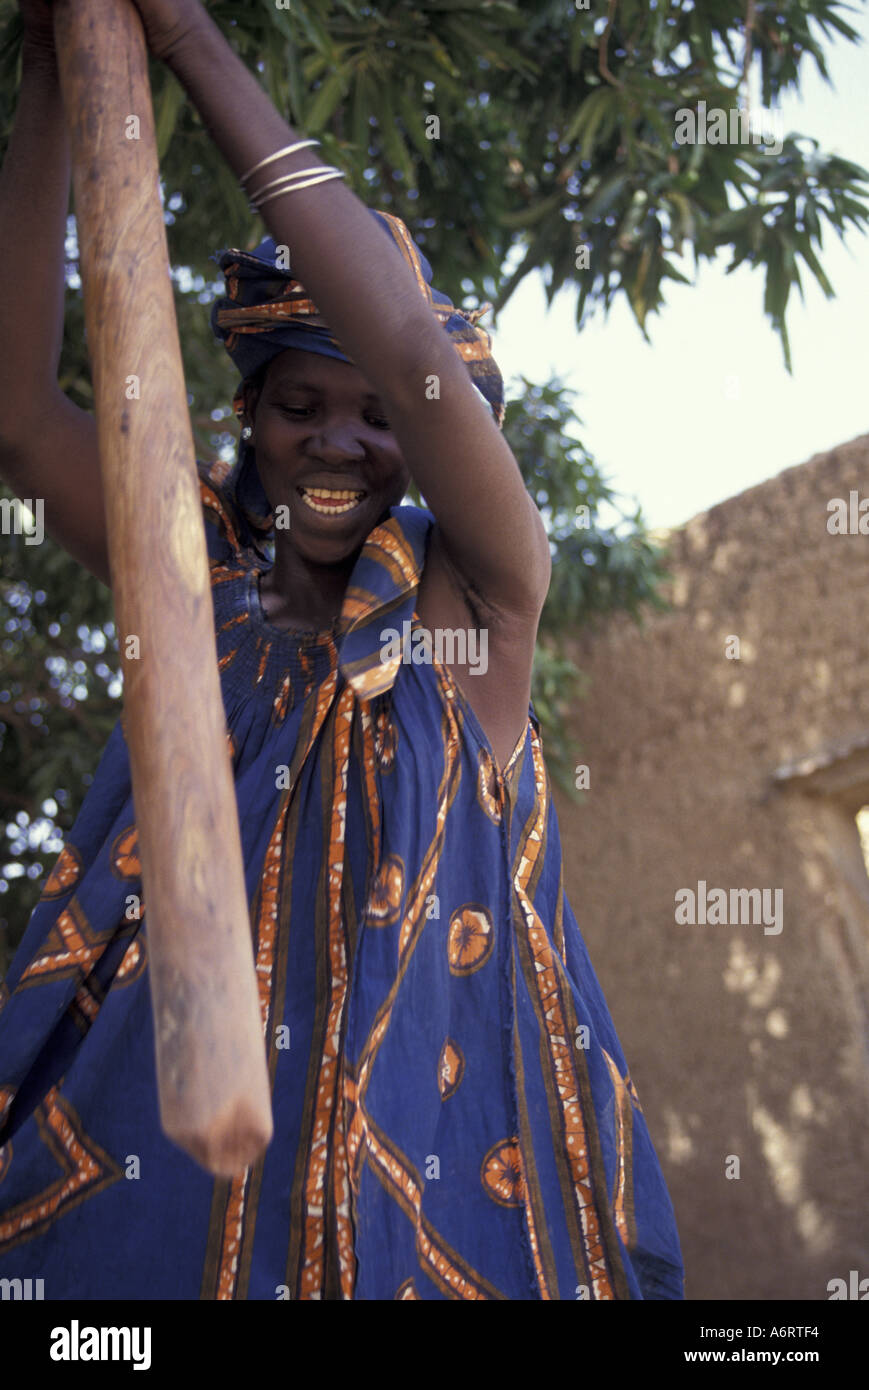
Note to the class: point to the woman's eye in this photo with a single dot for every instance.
(298, 412)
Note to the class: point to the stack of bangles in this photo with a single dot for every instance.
(288, 183)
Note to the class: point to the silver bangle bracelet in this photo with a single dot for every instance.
(308, 183)
(270, 158)
(256, 195)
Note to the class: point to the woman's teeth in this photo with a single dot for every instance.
(331, 501)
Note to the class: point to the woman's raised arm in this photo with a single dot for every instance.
(48, 447)
(490, 529)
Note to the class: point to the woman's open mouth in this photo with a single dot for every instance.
(330, 501)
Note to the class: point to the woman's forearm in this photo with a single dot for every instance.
(368, 295)
(357, 278)
(34, 200)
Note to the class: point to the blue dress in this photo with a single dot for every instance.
(454, 1117)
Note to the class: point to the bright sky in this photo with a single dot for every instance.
(666, 423)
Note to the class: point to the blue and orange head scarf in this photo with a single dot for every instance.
(266, 310)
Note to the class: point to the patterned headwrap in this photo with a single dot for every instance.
(266, 310)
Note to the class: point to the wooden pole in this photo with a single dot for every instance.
(211, 1060)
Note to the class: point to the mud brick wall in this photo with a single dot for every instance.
(741, 772)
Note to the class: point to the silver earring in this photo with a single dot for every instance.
(246, 432)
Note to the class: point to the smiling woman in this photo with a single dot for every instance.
(325, 452)
(313, 414)
(453, 1114)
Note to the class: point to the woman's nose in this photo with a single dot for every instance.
(338, 441)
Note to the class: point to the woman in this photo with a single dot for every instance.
(453, 1113)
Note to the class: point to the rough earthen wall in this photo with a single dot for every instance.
(743, 773)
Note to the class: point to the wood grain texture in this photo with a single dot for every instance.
(211, 1056)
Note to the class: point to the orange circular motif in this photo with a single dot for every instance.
(406, 1290)
(125, 854)
(385, 900)
(489, 792)
(6, 1159)
(501, 1173)
(451, 1069)
(471, 938)
(66, 873)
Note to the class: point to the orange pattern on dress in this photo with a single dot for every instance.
(66, 872)
(414, 914)
(124, 854)
(561, 1053)
(370, 682)
(387, 546)
(233, 1221)
(133, 964)
(384, 903)
(414, 917)
(306, 664)
(70, 947)
(444, 1266)
(502, 1174)
(266, 931)
(470, 939)
(87, 1168)
(7, 1095)
(85, 1003)
(534, 1242)
(234, 622)
(329, 1078)
(451, 1069)
(406, 1290)
(261, 668)
(385, 740)
(558, 924)
(232, 1232)
(623, 1207)
(222, 574)
(357, 603)
(372, 799)
(282, 700)
(489, 790)
(267, 921)
(210, 499)
(357, 1129)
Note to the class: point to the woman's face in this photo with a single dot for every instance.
(325, 451)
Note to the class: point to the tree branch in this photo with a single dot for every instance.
(602, 65)
(746, 61)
